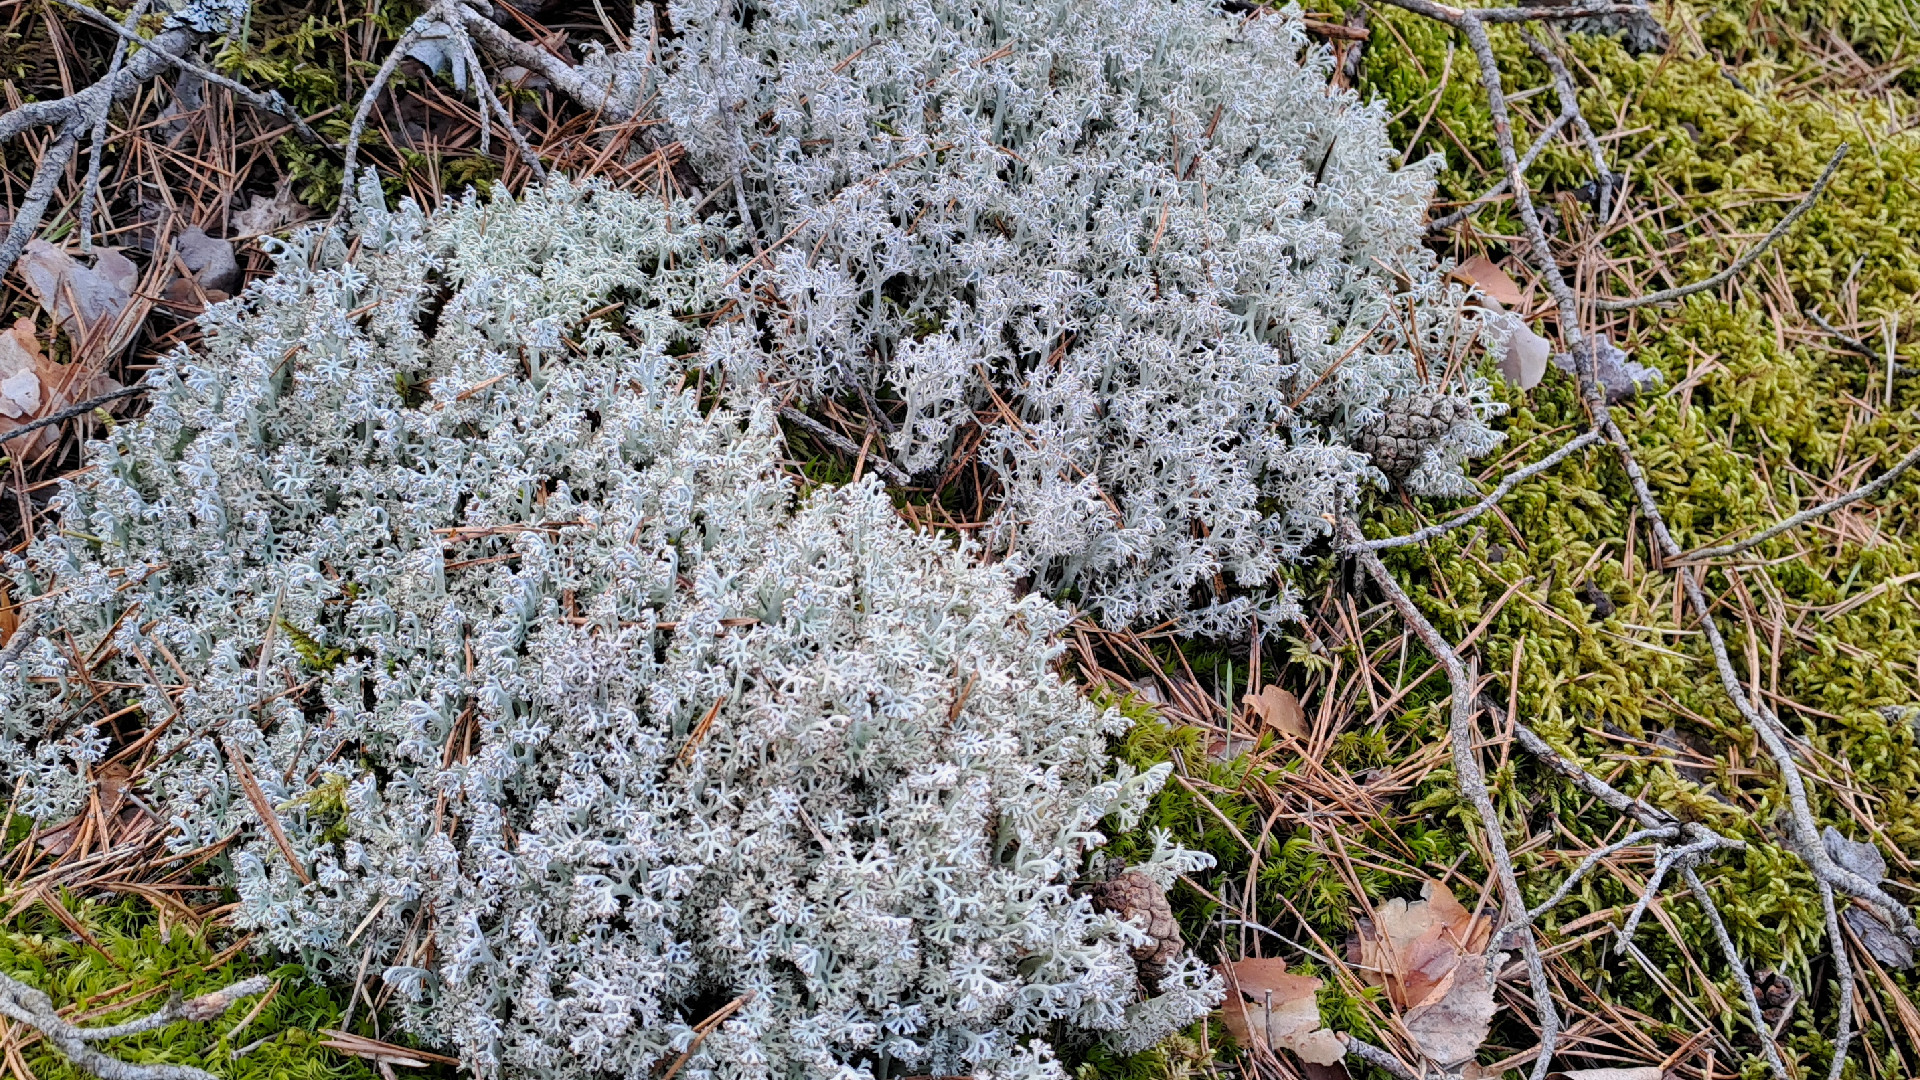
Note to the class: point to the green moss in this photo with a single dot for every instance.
(1762, 412)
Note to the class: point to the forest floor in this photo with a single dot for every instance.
(1312, 759)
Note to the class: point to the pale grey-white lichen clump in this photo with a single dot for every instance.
(1172, 273)
(579, 723)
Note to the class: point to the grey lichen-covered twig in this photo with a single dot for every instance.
(71, 411)
(1739, 265)
(1761, 1030)
(269, 102)
(79, 113)
(90, 187)
(1463, 741)
(877, 463)
(1864, 491)
(25, 1005)
(1492, 499)
(1563, 88)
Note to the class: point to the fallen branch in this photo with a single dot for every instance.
(1505, 487)
(1864, 491)
(268, 102)
(1740, 264)
(71, 411)
(1463, 740)
(23, 1004)
(888, 471)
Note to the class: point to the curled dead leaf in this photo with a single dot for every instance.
(1450, 1027)
(33, 386)
(1279, 710)
(1265, 1006)
(1619, 375)
(1482, 273)
(1431, 956)
(1524, 363)
(264, 215)
(83, 300)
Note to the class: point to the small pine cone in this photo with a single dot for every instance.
(1141, 901)
(1409, 424)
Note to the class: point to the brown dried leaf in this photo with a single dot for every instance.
(270, 215)
(1481, 272)
(1430, 954)
(1267, 1006)
(1279, 710)
(1450, 1030)
(81, 299)
(33, 386)
(21, 362)
(1412, 944)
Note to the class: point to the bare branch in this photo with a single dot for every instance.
(887, 470)
(1505, 487)
(1570, 107)
(71, 411)
(1744, 261)
(1463, 739)
(1843, 970)
(1864, 491)
(90, 187)
(1852, 344)
(264, 102)
(33, 204)
(1447, 221)
(1760, 1029)
(26, 1005)
(1378, 1058)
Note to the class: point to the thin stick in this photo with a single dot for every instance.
(26, 1005)
(1843, 970)
(90, 187)
(1505, 487)
(878, 463)
(1740, 264)
(1466, 769)
(269, 102)
(1864, 491)
(1760, 1028)
(72, 411)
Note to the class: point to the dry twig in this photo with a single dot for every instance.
(23, 1004)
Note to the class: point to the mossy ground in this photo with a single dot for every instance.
(1762, 412)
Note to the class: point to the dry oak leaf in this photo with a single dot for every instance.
(32, 386)
(1279, 710)
(1266, 1006)
(1524, 363)
(1430, 955)
(1482, 273)
(82, 299)
(266, 215)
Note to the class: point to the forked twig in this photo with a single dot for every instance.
(26, 1005)
(1492, 499)
(1740, 264)
(1864, 491)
